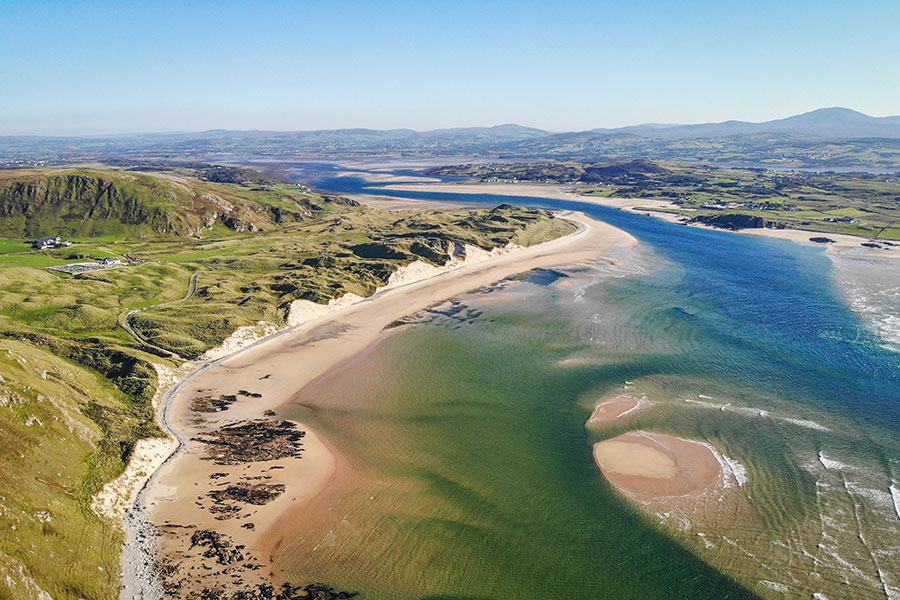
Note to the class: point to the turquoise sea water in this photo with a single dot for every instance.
(480, 477)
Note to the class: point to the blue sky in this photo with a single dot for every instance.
(111, 67)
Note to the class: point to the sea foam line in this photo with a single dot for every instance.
(758, 412)
(728, 466)
(895, 499)
(831, 464)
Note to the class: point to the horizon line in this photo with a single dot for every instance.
(128, 134)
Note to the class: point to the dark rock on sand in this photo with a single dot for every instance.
(217, 546)
(253, 441)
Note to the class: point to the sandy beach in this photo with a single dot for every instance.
(245, 482)
(843, 245)
(388, 177)
(531, 190)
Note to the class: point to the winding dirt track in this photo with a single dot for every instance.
(124, 319)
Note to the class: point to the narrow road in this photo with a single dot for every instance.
(124, 319)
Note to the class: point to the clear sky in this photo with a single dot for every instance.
(110, 67)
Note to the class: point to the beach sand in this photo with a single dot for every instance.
(263, 377)
(647, 466)
(844, 245)
(531, 190)
(387, 177)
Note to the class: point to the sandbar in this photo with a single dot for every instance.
(609, 411)
(648, 466)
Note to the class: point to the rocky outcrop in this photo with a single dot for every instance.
(238, 224)
(73, 205)
(736, 221)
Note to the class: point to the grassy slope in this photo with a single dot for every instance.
(76, 386)
(62, 431)
(115, 204)
(255, 279)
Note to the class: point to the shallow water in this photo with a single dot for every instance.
(478, 480)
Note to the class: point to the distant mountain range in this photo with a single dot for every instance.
(508, 132)
(824, 122)
(803, 140)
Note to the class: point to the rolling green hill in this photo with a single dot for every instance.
(90, 202)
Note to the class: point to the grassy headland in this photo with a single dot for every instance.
(76, 386)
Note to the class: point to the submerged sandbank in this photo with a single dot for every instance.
(610, 410)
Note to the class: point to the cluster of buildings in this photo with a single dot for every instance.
(56, 242)
(720, 204)
(85, 267)
(50, 243)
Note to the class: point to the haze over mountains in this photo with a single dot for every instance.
(824, 122)
(824, 138)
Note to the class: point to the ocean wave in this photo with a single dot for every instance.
(831, 464)
(729, 466)
(895, 499)
(756, 412)
(872, 290)
(880, 498)
(805, 423)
